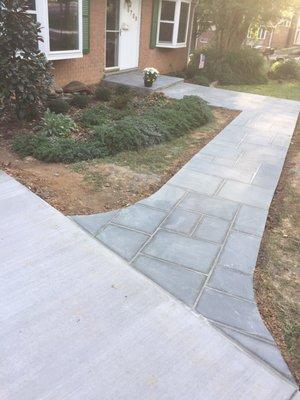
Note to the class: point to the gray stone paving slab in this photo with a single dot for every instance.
(240, 252)
(247, 194)
(210, 205)
(123, 241)
(210, 168)
(232, 282)
(212, 229)
(194, 254)
(165, 198)
(181, 221)
(182, 283)
(232, 311)
(140, 217)
(217, 150)
(196, 181)
(89, 327)
(92, 223)
(267, 176)
(266, 351)
(251, 220)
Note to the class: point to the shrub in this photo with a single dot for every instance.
(289, 69)
(122, 90)
(125, 132)
(58, 106)
(102, 93)
(80, 100)
(25, 74)
(59, 125)
(120, 102)
(201, 80)
(56, 149)
(241, 66)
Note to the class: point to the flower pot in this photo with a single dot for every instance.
(148, 83)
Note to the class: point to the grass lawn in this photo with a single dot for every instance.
(285, 90)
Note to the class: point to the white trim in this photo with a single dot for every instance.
(43, 18)
(173, 44)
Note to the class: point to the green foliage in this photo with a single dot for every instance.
(120, 102)
(201, 80)
(56, 149)
(80, 100)
(114, 130)
(25, 74)
(102, 93)
(58, 125)
(286, 70)
(122, 90)
(231, 19)
(242, 66)
(58, 106)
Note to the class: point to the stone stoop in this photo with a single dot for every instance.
(134, 80)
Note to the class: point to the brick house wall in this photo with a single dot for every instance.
(165, 60)
(90, 68)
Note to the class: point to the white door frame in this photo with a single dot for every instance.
(136, 64)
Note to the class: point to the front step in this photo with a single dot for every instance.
(134, 80)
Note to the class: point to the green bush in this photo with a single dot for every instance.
(120, 102)
(56, 149)
(289, 69)
(56, 124)
(80, 100)
(102, 93)
(119, 131)
(122, 90)
(58, 106)
(25, 74)
(201, 80)
(241, 66)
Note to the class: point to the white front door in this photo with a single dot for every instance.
(130, 16)
(123, 34)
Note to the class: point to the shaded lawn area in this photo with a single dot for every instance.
(284, 90)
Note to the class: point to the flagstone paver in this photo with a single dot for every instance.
(215, 209)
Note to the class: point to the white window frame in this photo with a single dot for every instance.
(43, 19)
(175, 23)
(262, 33)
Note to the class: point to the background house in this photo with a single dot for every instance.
(87, 38)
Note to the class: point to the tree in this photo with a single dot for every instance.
(231, 19)
(25, 74)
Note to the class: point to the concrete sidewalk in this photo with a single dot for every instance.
(78, 323)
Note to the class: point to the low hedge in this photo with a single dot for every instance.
(130, 132)
(241, 66)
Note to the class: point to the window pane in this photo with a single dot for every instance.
(63, 25)
(112, 15)
(166, 32)
(167, 10)
(31, 4)
(184, 13)
(112, 46)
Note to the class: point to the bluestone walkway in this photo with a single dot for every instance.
(198, 237)
(77, 323)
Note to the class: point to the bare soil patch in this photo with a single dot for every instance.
(109, 183)
(277, 275)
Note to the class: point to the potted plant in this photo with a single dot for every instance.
(150, 76)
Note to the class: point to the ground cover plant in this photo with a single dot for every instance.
(106, 128)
